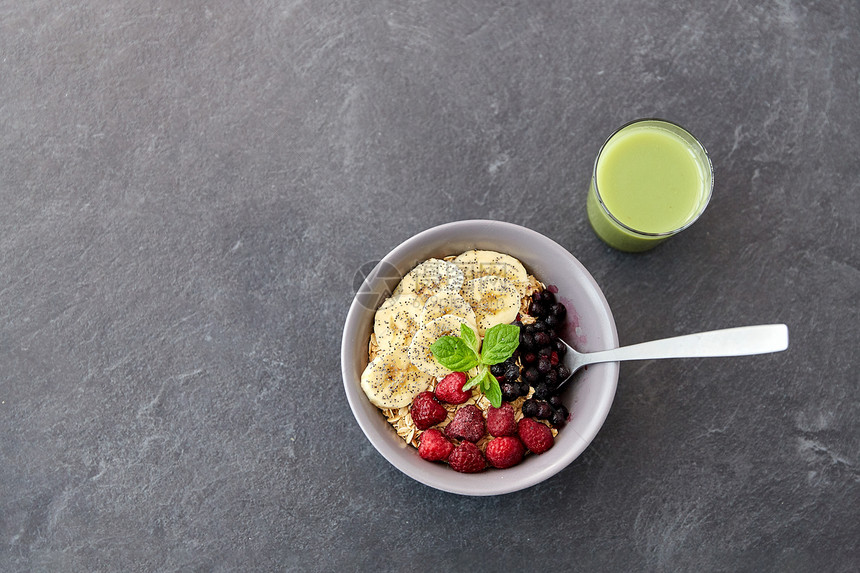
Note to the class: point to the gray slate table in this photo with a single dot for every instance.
(188, 190)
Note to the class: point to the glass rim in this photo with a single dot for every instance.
(706, 200)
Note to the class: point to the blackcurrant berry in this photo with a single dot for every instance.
(510, 391)
(544, 364)
(527, 341)
(530, 408)
(545, 411)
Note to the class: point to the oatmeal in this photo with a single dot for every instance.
(462, 341)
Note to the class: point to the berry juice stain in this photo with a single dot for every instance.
(572, 331)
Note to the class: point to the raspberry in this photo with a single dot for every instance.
(426, 411)
(466, 458)
(536, 436)
(450, 389)
(433, 446)
(468, 424)
(500, 421)
(505, 452)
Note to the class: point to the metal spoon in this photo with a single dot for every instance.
(741, 341)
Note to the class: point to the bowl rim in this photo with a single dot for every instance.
(391, 451)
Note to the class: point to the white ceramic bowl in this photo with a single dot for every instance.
(590, 327)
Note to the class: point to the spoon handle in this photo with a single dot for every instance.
(739, 341)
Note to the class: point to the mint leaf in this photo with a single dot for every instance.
(484, 380)
(477, 379)
(471, 383)
(467, 334)
(454, 354)
(500, 342)
(485, 377)
(461, 354)
(493, 392)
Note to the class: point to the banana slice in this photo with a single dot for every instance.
(397, 320)
(419, 350)
(477, 263)
(391, 381)
(494, 299)
(433, 276)
(448, 303)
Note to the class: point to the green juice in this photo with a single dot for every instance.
(651, 180)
